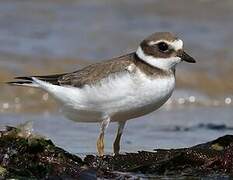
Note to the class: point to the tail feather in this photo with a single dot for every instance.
(29, 80)
(23, 83)
(19, 82)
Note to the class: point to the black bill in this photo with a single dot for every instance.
(185, 57)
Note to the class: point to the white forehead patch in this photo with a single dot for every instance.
(177, 44)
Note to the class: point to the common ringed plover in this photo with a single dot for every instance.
(118, 89)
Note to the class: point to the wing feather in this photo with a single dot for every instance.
(88, 75)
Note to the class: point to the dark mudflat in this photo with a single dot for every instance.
(24, 155)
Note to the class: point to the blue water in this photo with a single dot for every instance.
(162, 129)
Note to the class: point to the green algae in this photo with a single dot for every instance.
(3, 171)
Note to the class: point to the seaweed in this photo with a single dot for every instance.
(26, 155)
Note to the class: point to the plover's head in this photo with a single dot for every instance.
(163, 50)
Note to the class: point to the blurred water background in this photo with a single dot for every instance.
(47, 36)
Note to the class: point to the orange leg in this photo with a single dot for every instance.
(100, 140)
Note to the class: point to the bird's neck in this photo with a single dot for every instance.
(160, 63)
(150, 70)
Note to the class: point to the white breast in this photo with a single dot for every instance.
(148, 95)
(123, 96)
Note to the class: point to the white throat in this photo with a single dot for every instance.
(161, 63)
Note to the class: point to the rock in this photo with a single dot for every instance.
(26, 155)
(35, 157)
(212, 158)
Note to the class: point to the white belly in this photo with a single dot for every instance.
(121, 97)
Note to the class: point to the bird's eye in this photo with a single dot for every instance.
(163, 46)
